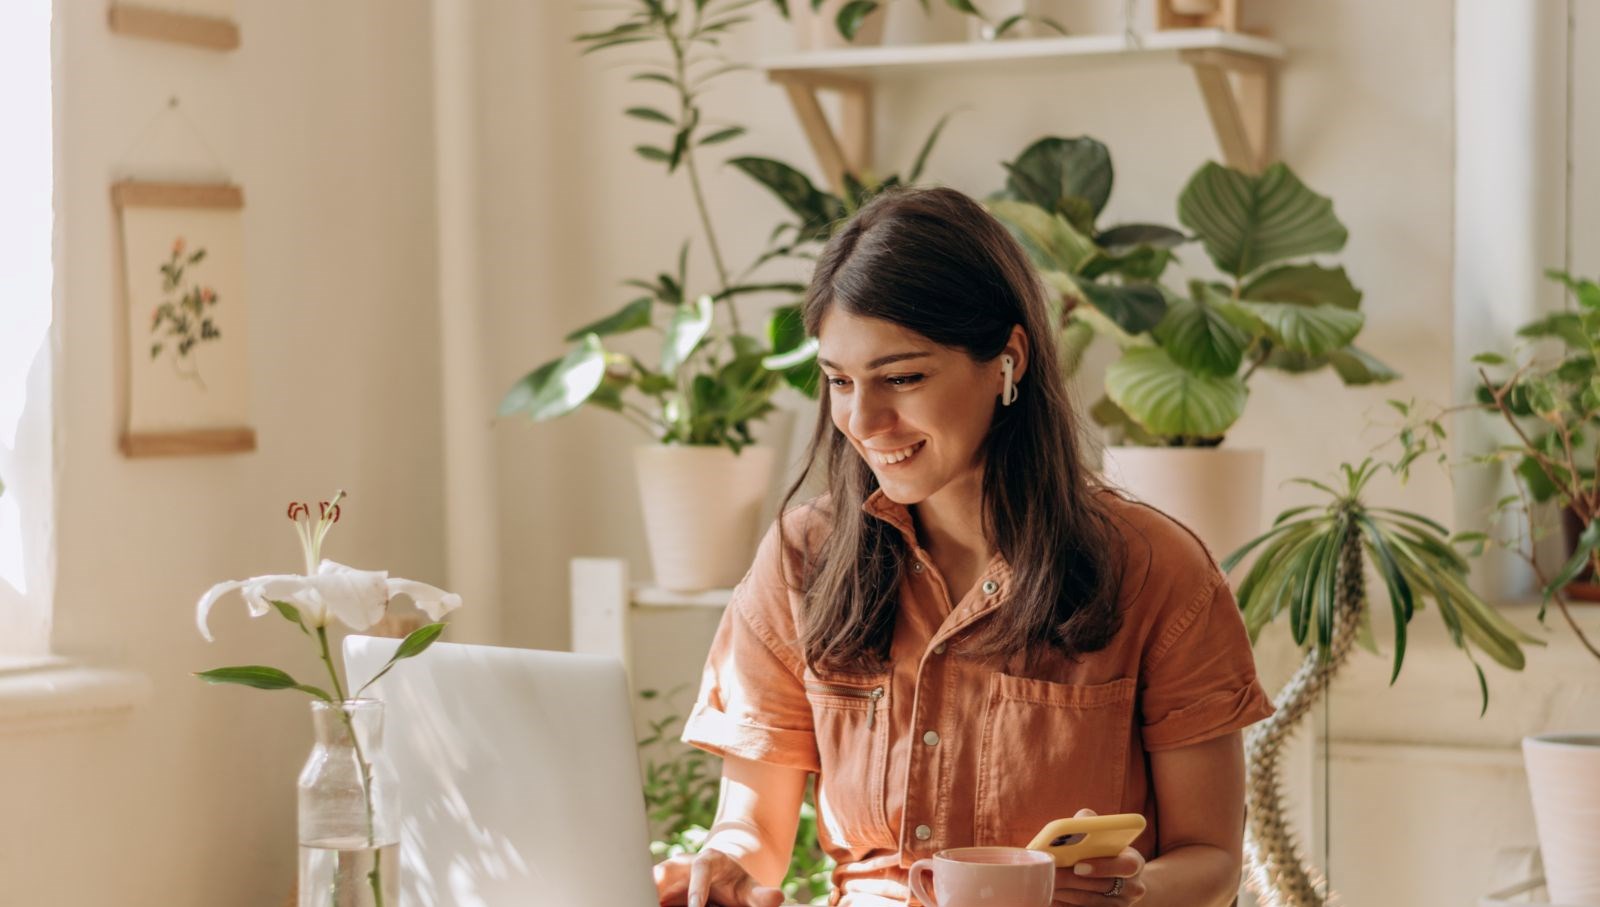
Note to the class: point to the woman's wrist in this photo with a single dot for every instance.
(1192, 875)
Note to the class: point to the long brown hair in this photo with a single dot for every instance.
(935, 262)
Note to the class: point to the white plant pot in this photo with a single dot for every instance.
(1564, 779)
(702, 509)
(817, 31)
(1215, 491)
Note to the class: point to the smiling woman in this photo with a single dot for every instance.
(969, 635)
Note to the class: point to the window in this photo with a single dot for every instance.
(26, 285)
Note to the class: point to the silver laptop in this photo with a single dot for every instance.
(519, 776)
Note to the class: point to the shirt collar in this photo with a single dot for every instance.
(898, 515)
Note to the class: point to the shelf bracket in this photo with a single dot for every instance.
(1239, 92)
(850, 149)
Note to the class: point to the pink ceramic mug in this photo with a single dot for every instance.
(985, 877)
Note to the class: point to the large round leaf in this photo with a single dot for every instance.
(1305, 284)
(1053, 169)
(1247, 222)
(560, 386)
(1311, 329)
(1134, 307)
(1200, 338)
(1357, 366)
(1052, 242)
(1169, 400)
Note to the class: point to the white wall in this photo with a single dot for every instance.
(324, 117)
(1357, 123)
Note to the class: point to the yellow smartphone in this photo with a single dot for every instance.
(1088, 838)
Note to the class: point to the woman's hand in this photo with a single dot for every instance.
(710, 878)
(1091, 882)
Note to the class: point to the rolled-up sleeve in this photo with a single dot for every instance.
(752, 702)
(1199, 680)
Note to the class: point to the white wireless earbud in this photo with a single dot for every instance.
(1008, 396)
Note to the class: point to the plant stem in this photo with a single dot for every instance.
(374, 877)
(686, 102)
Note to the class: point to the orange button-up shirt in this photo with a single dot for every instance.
(945, 750)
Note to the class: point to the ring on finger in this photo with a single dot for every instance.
(1116, 888)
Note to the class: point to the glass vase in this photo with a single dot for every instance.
(349, 809)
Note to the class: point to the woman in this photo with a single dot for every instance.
(967, 636)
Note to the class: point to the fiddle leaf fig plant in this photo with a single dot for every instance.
(1187, 357)
(708, 380)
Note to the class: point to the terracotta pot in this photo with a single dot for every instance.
(1564, 779)
(1583, 587)
(702, 509)
(818, 31)
(1215, 491)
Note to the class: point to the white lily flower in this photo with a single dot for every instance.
(357, 598)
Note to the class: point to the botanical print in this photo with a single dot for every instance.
(187, 314)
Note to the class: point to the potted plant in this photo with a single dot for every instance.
(698, 395)
(1186, 358)
(707, 381)
(1312, 566)
(832, 24)
(1551, 405)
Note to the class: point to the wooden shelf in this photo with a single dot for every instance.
(1236, 75)
(866, 61)
(648, 596)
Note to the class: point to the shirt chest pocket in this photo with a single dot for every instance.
(1048, 750)
(850, 714)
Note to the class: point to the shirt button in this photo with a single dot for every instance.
(938, 649)
(931, 738)
(924, 832)
(989, 586)
(916, 566)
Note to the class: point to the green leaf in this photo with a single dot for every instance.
(927, 148)
(817, 210)
(1247, 222)
(652, 153)
(1400, 595)
(1587, 291)
(1049, 239)
(651, 114)
(1126, 237)
(415, 643)
(560, 386)
(1054, 168)
(1135, 308)
(1588, 541)
(260, 677)
(1171, 401)
(1314, 330)
(1566, 326)
(1007, 23)
(723, 135)
(1200, 339)
(689, 326)
(1305, 285)
(630, 317)
(851, 16)
(786, 332)
(1357, 367)
(291, 614)
(965, 6)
